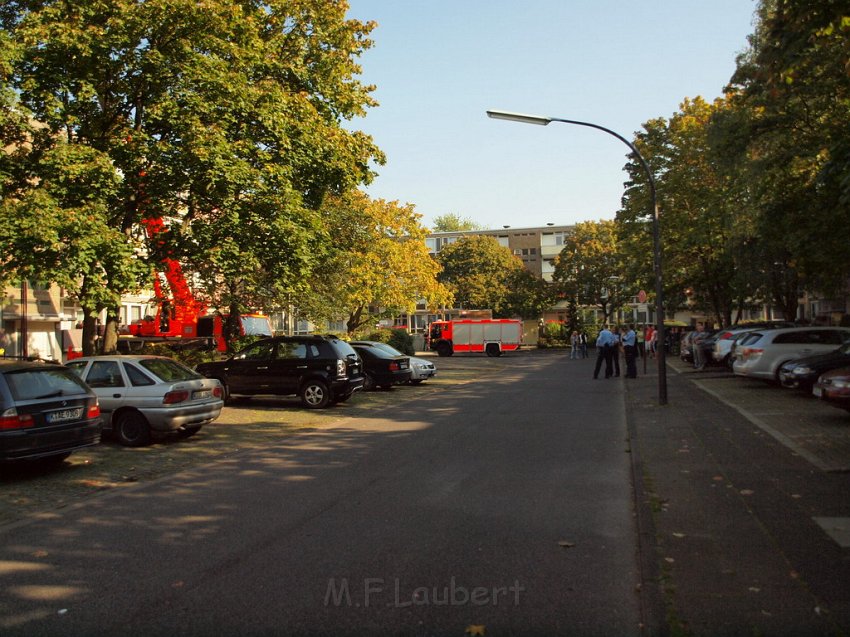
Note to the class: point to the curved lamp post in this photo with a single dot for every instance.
(656, 234)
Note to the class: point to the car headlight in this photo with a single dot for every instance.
(802, 370)
(418, 365)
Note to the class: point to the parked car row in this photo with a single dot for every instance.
(49, 410)
(812, 359)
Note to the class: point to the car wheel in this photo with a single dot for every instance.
(779, 369)
(188, 432)
(132, 429)
(368, 382)
(444, 349)
(315, 394)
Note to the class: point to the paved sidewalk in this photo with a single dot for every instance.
(742, 495)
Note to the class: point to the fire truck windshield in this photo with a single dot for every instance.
(258, 325)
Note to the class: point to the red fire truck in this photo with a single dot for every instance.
(491, 336)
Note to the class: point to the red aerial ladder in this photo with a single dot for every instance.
(182, 315)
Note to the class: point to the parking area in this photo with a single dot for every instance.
(250, 424)
(814, 430)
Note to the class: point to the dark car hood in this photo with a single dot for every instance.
(821, 361)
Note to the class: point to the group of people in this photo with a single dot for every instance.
(610, 343)
(578, 345)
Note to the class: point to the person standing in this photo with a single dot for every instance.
(630, 350)
(640, 341)
(575, 345)
(583, 342)
(604, 346)
(615, 350)
(696, 346)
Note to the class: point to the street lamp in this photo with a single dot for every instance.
(656, 233)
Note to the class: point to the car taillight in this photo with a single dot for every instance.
(175, 397)
(394, 366)
(752, 351)
(10, 419)
(340, 367)
(218, 392)
(93, 411)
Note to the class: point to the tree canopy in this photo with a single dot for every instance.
(377, 264)
(590, 268)
(485, 275)
(222, 118)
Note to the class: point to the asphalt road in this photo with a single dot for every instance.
(502, 506)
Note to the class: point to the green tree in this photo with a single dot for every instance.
(480, 273)
(590, 267)
(453, 222)
(223, 118)
(791, 93)
(378, 265)
(698, 213)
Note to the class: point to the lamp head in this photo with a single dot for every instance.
(519, 117)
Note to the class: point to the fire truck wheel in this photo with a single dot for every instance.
(493, 350)
(444, 349)
(132, 429)
(315, 394)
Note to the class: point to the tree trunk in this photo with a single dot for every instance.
(232, 328)
(110, 333)
(355, 320)
(89, 332)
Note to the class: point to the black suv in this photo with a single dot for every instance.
(321, 370)
(46, 411)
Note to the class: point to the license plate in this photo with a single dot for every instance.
(64, 415)
(202, 393)
(817, 391)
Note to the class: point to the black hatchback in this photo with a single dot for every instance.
(321, 370)
(46, 411)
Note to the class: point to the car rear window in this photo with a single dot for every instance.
(343, 349)
(33, 384)
(168, 370)
(751, 338)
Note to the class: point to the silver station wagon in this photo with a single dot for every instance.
(143, 395)
(762, 353)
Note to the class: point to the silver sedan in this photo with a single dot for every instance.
(141, 394)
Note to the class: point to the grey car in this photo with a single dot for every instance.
(142, 395)
(46, 412)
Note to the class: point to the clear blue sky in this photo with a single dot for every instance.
(438, 65)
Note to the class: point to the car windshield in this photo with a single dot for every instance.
(32, 384)
(168, 370)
